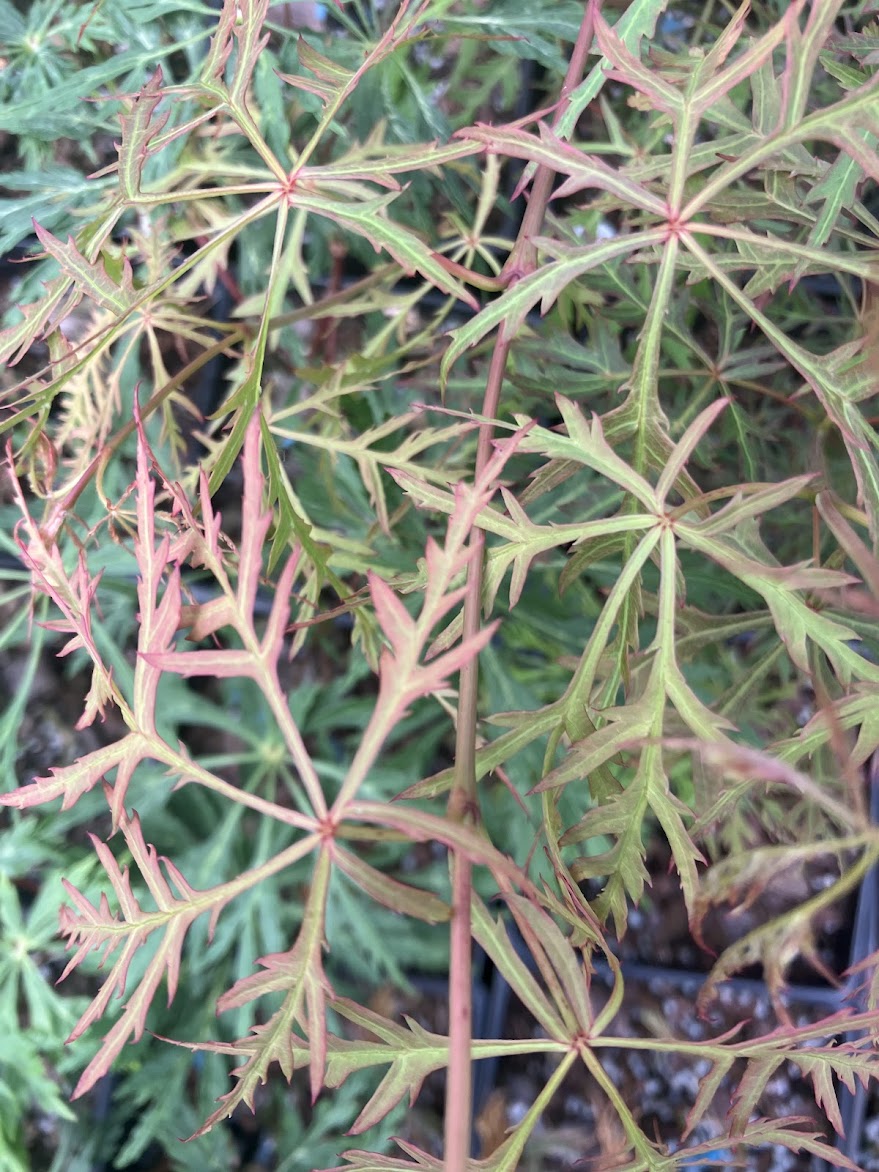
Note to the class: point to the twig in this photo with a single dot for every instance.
(463, 801)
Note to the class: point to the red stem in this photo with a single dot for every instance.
(463, 801)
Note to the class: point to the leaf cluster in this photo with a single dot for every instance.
(660, 527)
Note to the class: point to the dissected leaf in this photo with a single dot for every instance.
(140, 127)
(655, 597)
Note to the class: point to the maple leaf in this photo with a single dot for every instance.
(140, 128)
(74, 595)
(240, 25)
(299, 975)
(91, 277)
(90, 928)
(199, 540)
(16, 340)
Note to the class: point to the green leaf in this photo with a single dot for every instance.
(366, 219)
(50, 196)
(636, 22)
(494, 938)
(67, 113)
(299, 975)
(511, 308)
(781, 587)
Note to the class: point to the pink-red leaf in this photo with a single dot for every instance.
(91, 277)
(72, 781)
(399, 897)
(139, 129)
(96, 928)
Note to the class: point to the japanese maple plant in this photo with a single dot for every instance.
(625, 427)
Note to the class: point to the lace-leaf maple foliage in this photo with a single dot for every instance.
(606, 503)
